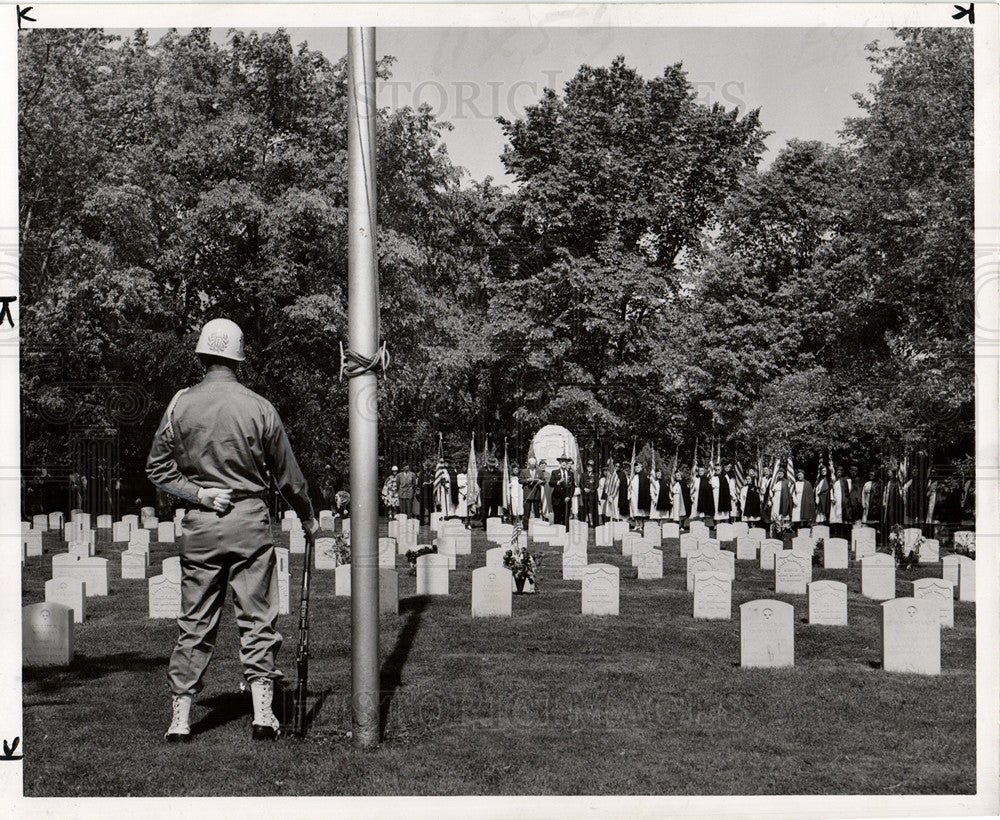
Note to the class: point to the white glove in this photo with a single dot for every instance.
(213, 498)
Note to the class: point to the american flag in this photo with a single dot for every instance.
(505, 490)
(472, 479)
(741, 478)
(611, 486)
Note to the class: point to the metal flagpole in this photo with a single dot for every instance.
(363, 334)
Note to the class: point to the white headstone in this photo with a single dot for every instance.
(342, 580)
(104, 522)
(599, 594)
(57, 519)
(651, 533)
(46, 635)
(699, 529)
(432, 574)
(393, 529)
(650, 565)
(618, 529)
(500, 534)
(713, 596)
(911, 636)
(81, 518)
(689, 544)
(942, 593)
(139, 538)
(709, 544)
(910, 537)
(32, 541)
(630, 543)
(324, 553)
(40, 522)
(767, 634)
(950, 569)
(804, 544)
(491, 596)
(835, 554)
(724, 532)
(574, 565)
(820, 531)
(81, 549)
(71, 593)
(92, 571)
(966, 579)
(297, 541)
(792, 573)
(446, 547)
(577, 539)
(722, 562)
(863, 541)
(494, 556)
(828, 603)
(671, 529)
(740, 528)
(769, 547)
(387, 553)
(165, 532)
(327, 521)
(757, 532)
(120, 531)
(133, 564)
(164, 597)
(930, 551)
(878, 576)
(388, 592)
(131, 520)
(746, 548)
(150, 523)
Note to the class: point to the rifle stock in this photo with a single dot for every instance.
(302, 654)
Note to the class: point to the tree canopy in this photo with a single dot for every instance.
(644, 276)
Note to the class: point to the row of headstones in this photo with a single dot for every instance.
(910, 634)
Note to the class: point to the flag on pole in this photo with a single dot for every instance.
(442, 482)
(472, 479)
(789, 468)
(741, 479)
(505, 491)
(611, 487)
(694, 463)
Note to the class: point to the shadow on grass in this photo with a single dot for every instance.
(392, 668)
(85, 668)
(223, 709)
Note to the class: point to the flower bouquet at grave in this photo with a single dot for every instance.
(522, 565)
(896, 547)
(341, 549)
(413, 555)
(781, 529)
(968, 548)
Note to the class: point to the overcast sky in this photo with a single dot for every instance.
(801, 79)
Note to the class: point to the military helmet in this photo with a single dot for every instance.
(222, 338)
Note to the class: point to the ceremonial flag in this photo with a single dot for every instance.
(505, 492)
(673, 464)
(631, 469)
(442, 483)
(789, 468)
(472, 479)
(741, 479)
(611, 486)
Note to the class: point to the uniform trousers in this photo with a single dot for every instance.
(233, 549)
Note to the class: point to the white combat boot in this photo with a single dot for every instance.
(265, 724)
(180, 725)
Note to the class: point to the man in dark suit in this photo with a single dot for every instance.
(563, 484)
(490, 489)
(531, 482)
(588, 492)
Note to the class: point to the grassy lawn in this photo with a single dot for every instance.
(547, 702)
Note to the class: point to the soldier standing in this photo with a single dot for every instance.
(214, 445)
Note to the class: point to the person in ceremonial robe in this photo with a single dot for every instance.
(530, 478)
(661, 505)
(803, 500)
(442, 489)
(704, 500)
(735, 492)
(462, 507)
(679, 500)
(750, 497)
(874, 506)
(837, 501)
(516, 493)
(822, 495)
(892, 502)
(624, 480)
(654, 491)
(856, 491)
(781, 498)
(722, 494)
(639, 495)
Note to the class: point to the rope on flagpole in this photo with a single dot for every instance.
(353, 364)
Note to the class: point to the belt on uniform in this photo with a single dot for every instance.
(238, 496)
